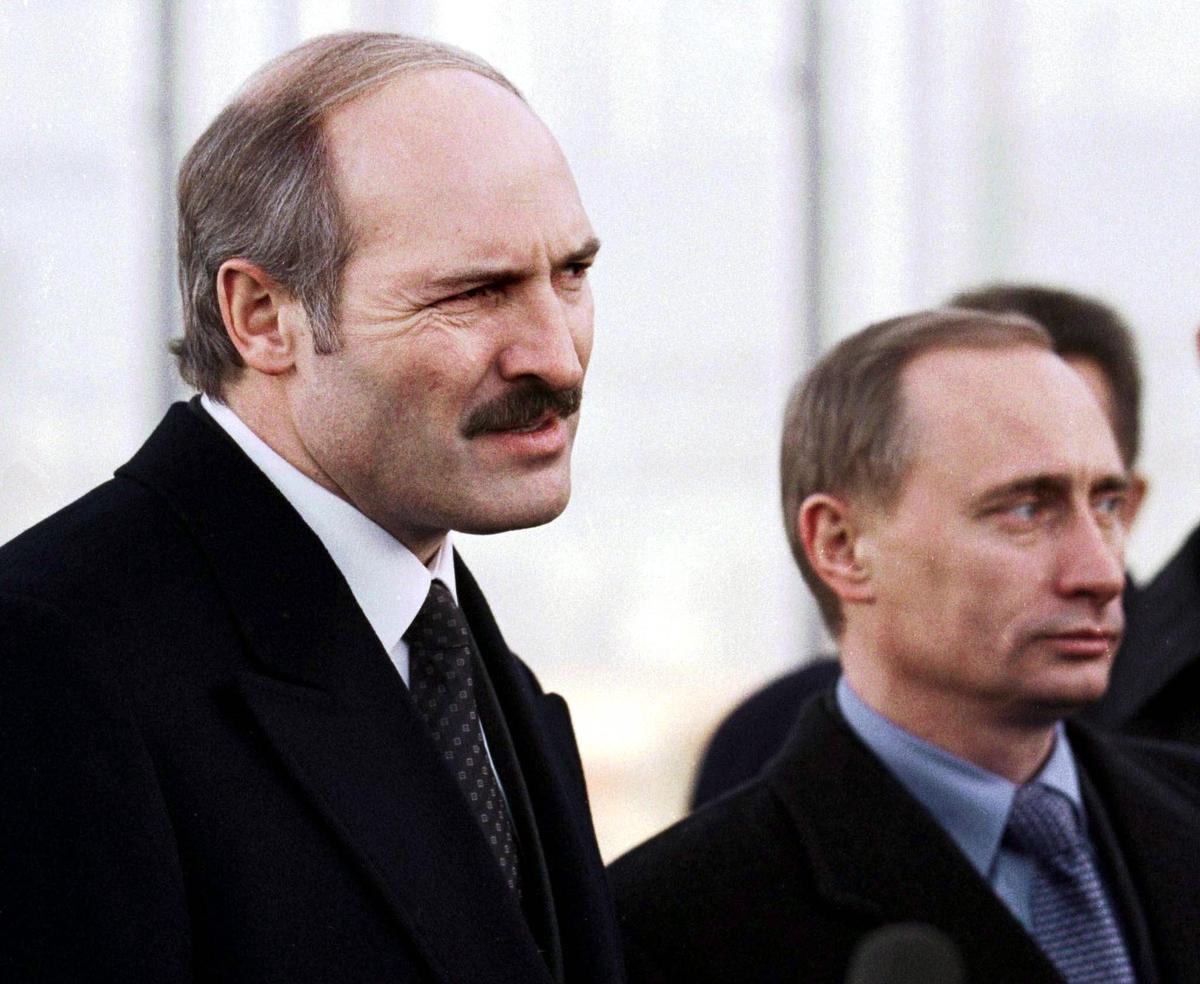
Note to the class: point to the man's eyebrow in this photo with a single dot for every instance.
(1038, 486)
(584, 254)
(1045, 486)
(1111, 483)
(503, 273)
(451, 283)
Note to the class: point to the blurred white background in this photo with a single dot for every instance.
(767, 176)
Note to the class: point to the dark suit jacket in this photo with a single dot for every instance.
(210, 770)
(1155, 687)
(779, 880)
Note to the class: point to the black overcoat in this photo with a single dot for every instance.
(779, 880)
(211, 771)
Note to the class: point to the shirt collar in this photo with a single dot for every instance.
(971, 804)
(386, 578)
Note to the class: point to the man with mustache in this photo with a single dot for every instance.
(258, 722)
(953, 496)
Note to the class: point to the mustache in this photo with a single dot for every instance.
(522, 407)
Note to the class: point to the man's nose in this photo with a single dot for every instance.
(1092, 561)
(547, 337)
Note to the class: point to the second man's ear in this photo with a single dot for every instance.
(830, 537)
(260, 316)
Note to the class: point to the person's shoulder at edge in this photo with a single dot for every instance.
(756, 729)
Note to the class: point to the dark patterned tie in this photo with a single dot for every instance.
(442, 684)
(1072, 920)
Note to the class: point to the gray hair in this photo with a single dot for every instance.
(845, 431)
(258, 185)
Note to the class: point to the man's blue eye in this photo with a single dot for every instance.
(1024, 510)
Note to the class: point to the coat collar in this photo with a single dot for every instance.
(876, 853)
(539, 725)
(1149, 795)
(1162, 637)
(325, 695)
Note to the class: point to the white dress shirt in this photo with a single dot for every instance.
(386, 578)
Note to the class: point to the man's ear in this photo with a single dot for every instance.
(830, 538)
(259, 315)
(1135, 495)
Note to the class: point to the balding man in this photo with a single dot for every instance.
(1095, 340)
(953, 495)
(258, 723)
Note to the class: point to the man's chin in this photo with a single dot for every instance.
(1054, 703)
(514, 512)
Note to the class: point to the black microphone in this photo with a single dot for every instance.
(906, 953)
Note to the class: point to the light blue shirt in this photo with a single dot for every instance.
(969, 803)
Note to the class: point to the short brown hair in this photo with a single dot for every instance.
(1083, 327)
(258, 185)
(845, 431)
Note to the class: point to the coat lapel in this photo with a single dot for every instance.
(537, 898)
(1121, 888)
(544, 742)
(1163, 637)
(1153, 826)
(335, 712)
(877, 856)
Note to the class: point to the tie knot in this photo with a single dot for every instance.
(439, 624)
(1043, 822)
